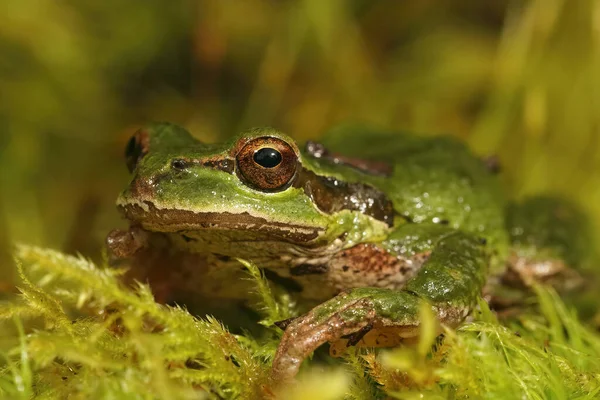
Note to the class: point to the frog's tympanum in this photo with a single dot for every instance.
(364, 226)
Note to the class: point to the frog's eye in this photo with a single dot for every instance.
(267, 163)
(136, 148)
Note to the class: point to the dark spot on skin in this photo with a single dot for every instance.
(408, 218)
(64, 378)
(193, 364)
(234, 361)
(444, 222)
(354, 338)
(308, 269)
(482, 240)
(288, 284)
(345, 268)
(188, 239)
(283, 324)
(438, 342)
(222, 257)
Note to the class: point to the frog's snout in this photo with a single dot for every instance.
(142, 187)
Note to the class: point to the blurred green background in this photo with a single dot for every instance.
(519, 79)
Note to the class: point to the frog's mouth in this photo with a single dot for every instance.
(181, 221)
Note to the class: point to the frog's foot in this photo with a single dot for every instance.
(149, 260)
(305, 334)
(525, 272)
(551, 243)
(124, 244)
(365, 316)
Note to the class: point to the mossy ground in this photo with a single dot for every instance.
(76, 332)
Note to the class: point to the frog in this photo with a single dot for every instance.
(364, 227)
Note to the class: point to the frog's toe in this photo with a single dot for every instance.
(305, 334)
(124, 244)
(353, 317)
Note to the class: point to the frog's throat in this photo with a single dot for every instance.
(172, 220)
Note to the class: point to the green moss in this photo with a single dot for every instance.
(88, 336)
(125, 345)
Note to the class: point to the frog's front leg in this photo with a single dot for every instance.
(451, 280)
(202, 281)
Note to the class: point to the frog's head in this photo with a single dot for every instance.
(258, 186)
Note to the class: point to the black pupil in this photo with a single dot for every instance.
(267, 157)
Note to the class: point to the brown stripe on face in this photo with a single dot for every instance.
(223, 164)
(172, 220)
(219, 163)
(331, 195)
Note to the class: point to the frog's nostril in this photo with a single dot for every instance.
(483, 240)
(179, 164)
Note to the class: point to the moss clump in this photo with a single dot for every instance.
(131, 348)
(88, 336)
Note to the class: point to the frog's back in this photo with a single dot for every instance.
(393, 147)
(433, 179)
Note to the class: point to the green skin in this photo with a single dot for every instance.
(445, 238)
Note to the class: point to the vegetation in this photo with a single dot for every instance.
(127, 346)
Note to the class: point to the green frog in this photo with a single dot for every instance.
(364, 226)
